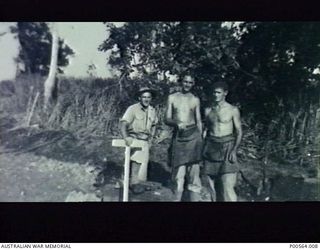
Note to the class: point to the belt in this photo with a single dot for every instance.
(225, 138)
(140, 136)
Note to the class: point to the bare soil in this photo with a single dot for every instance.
(55, 166)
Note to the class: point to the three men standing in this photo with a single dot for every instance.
(222, 135)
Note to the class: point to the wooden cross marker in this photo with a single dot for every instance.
(121, 143)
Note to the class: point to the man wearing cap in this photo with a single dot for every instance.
(223, 137)
(139, 122)
(183, 114)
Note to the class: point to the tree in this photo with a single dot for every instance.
(268, 65)
(279, 57)
(49, 84)
(156, 50)
(35, 40)
(276, 61)
(279, 60)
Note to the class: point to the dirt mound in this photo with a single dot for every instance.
(15, 139)
(7, 123)
(60, 145)
(27, 139)
(257, 182)
(79, 196)
(27, 177)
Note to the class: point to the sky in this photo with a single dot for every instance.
(83, 37)
(8, 51)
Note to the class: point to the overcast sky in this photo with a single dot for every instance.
(83, 37)
(8, 50)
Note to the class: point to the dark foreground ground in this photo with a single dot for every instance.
(55, 166)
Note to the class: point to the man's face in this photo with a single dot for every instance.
(219, 94)
(187, 83)
(145, 99)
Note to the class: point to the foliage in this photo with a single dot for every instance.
(35, 40)
(156, 50)
(278, 60)
(277, 84)
(268, 66)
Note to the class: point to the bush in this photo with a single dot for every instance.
(92, 107)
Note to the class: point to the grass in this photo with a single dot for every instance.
(91, 107)
(83, 106)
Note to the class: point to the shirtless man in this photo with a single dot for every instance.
(223, 136)
(183, 113)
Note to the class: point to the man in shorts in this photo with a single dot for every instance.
(222, 139)
(183, 114)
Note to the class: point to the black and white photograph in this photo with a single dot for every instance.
(160, 111)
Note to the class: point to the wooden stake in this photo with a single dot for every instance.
(126, 174)
(121, 143)
(32, 109)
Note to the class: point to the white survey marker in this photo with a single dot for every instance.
(122, 143)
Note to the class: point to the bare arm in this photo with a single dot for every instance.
(198, 115)
(238, 128)
(124, 133)
(168, 119)
(237, 125)
(205, 125)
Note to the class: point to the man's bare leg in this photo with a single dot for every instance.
(179, 182)
(228, 182)
(212, 189)
(194, 182)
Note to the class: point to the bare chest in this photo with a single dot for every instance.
(222, 115)
(183, 104)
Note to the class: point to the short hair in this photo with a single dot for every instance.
(185, 74)
(221, 85)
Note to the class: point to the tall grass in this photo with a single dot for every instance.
(16, 95)
(93, 106)
(82, 106)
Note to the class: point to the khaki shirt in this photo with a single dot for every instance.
(140, 119)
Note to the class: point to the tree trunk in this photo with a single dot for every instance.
(50, 82)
